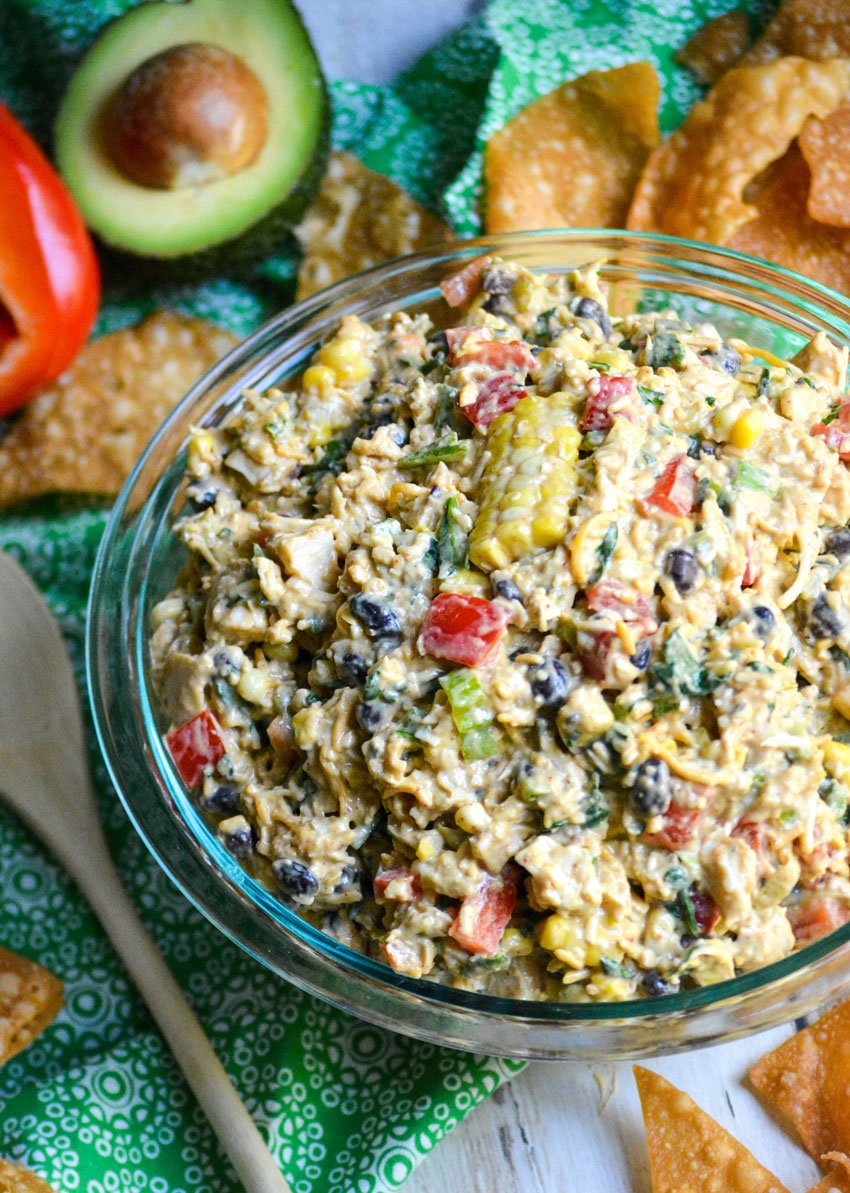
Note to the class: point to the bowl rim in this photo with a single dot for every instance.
(213, 854)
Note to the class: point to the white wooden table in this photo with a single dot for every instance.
(546, 1131)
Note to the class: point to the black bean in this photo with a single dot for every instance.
(496, 305)
(726, 358)
(377, 619)
(238, 839)
(225, 664)
(550, 683)
(506, 589)
(294, 878)
(348, 878)
(640, 658)
(765, 621)
(656, 986)
(651, 791)
(589, 308)
(838, 543)
(439, 340)
(497, 281)
(823, 620)
(201, 495)
(223, 801)
(682, 568)
(353, 668)
(370, 716)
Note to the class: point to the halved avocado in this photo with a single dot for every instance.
(241, 214)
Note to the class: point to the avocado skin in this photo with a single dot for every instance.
(234, 257)
(127, 269)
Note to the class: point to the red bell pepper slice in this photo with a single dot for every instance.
(49, 279)
(609, 398)
(595, 654)
(752, 833)
(464, 629)
(195, 745)
(396, 886)
(483, 916)
(836, 434)
(624, 603)
(706, 911)
(817, 917)
(673, 492)
(513, 355)
(496, 395)
(460, 287)
(455, 336)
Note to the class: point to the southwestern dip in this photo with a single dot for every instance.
(516, 653)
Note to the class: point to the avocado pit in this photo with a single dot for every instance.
(190, 115)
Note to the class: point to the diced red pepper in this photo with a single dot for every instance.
(594, 656)
(817, 917)
(482, 918)
(752, 571)
(196, 745)
(678, 828)
(500, 354)
(455, 336)
(706, 911)
(624, 603)
(753, 833)
(461, 286)
(396, 886)
(837, 433)
(496, 395)
(673, 492)
(609, 398)
(464, 629)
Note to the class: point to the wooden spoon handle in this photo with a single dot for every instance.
(228, 1116)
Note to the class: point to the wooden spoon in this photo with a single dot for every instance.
(44, 777)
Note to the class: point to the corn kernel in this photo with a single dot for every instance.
(612, 989)
(466, 580)
(559, 932)
(203, 453)
(746, 429)
(345, 357)
(253, 685)
(425, 850)
(836, 758)
(471, 818)
(319, 377)
(515, 943)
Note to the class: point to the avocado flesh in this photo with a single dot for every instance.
(238, 212)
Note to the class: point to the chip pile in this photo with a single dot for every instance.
(30, 999)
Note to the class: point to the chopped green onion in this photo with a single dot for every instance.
(764, 383)
(685, 906)
(447, 448)
(451, 541)
(650, 396)
(604, 551)
(750, 476)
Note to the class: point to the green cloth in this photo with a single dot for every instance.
(96, 1103)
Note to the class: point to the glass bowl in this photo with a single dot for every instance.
(139, 558)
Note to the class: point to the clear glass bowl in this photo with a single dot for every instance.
(139, 558)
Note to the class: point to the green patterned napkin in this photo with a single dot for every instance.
(96, 1103)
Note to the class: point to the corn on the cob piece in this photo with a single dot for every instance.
(528, 481)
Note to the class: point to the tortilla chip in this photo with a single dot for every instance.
(783, 231)
(691, 1153)
(807, 1079)
(359, 218)
(715, 47)
(818, 29)
(84, 433)
(30, 999)
(14, 1179)
(693, 184)
(826, 147)
(571, 159)
(838, 1179)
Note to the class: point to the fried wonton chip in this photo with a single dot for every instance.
(694, 183)
(14, 1179)
(838, 1179)
(826, 147)
(359, 218)
(30, 999)
(571, 159)
(691, 1153)
(84, 433)
(807, 28)
(784, 232)
(715, 47)
(808, 1080)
